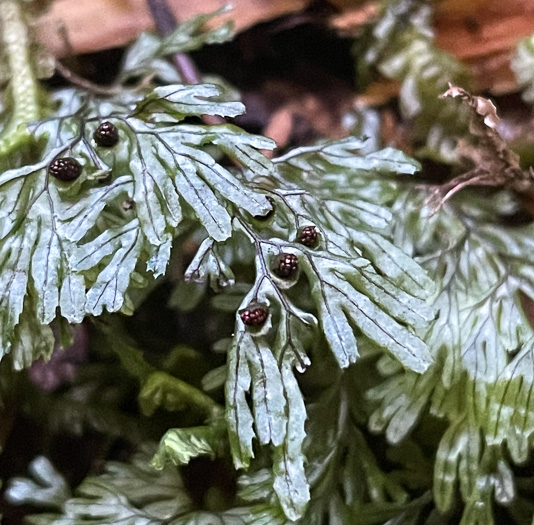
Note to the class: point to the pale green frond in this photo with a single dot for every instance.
(178, 446)
(134, 494)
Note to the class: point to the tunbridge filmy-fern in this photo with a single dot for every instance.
(378, 363)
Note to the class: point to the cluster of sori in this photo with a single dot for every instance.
(286, 268)
(68, 169)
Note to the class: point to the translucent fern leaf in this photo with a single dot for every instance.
(279, 419)
(481, 379)
(353, 204)
(457, 456)
(34, 257)
(123, 245)
(342, 288)
(278, 408)
(482, 473)
(341, 458)
(160, 389)
(15, 256)
(237, 144)
(208, 264)
(177, 101)
(247, 358)
(49, 262)
(361, 286)
(511, 412)
(169, 164)
(230, 139)
(397, 265)
(343, 159)
(178, 446)
(77, 245)
(130, 493)
(46, 487)
(156, 198)
(79, 216)
(31, 339)
(188, 36)
(136, 494)
(290, 481)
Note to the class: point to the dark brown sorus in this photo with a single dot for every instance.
(308, 236)
(106, 135)
(255, 316)
(65, 169)
(288, 264)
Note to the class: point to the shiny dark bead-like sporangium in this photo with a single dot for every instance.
(65, 169)
(254, 316)
(106, 135)
(308, 236)
(287, 265)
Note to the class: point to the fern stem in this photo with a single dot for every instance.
(24, 91)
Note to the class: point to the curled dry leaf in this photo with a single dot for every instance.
(492, 162)
(484, 112)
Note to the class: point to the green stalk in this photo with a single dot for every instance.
(24, 90)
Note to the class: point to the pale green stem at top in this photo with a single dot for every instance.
(24, 90)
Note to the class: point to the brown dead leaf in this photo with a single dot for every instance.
(493, 73)
(482, 107)
(481, 33)
(83, 26)
(492, 162)
(354, 18)
(309, 112)
(378, 93)
(483, 124)
(280, 127)
(486, 38)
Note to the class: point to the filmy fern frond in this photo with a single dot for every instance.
(316, 222)
(132, 493)
(522, 64)
(73, 246)
(481, 377)
(354, 285)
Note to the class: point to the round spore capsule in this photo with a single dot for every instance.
(106, 135)
(255, 316)
(308, 236)
(288, 264)
(65, 169)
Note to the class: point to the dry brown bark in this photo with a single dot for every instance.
(82, 26)
(482, 33)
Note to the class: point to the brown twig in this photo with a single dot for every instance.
(495, 163)
(76, 80)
